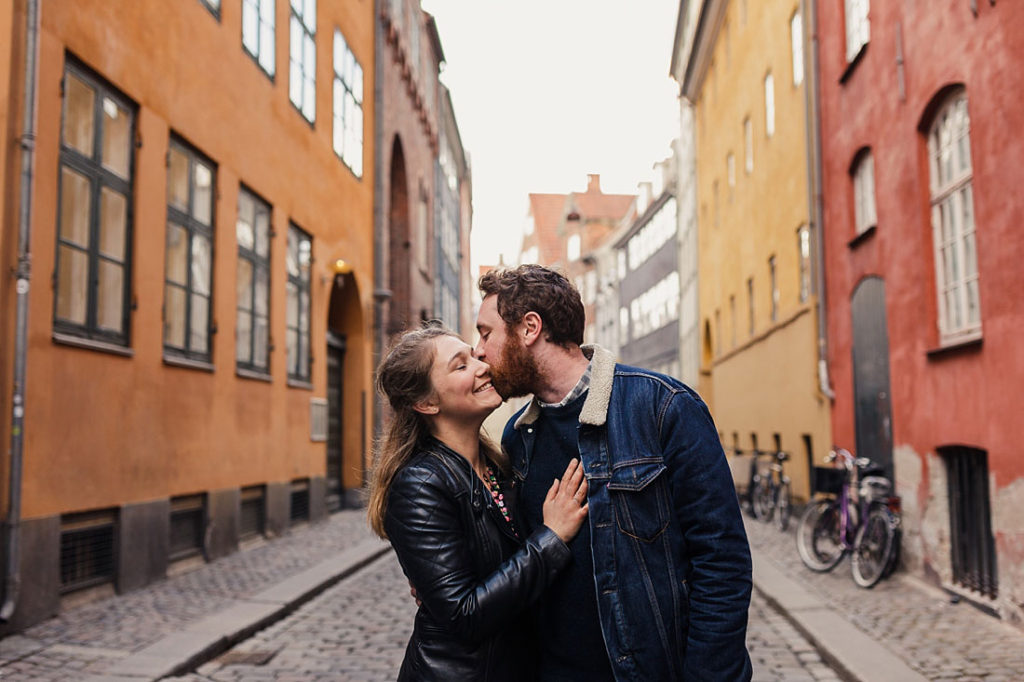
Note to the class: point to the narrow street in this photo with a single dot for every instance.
(358, 629)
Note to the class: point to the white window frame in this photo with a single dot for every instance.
(769, 104)
(348, 106)
(572, 248)
(796, 35)
(865, 215)
(302, 58)
(953, 222)
(858, 27)
(258, 30)
(803, 245)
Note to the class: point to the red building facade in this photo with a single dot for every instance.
(921, 134)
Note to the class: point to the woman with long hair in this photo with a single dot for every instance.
(445, 500)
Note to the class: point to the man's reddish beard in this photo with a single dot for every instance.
(515, 373)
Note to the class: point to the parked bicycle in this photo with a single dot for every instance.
(769, 494)
(860, 518)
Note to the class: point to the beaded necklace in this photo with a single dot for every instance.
(499, 497)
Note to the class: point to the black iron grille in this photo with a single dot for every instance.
(300, 501)
(86, 550)
(970, 520)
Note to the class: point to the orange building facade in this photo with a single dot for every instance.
(197, 363)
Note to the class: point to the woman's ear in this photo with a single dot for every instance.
(426, 407)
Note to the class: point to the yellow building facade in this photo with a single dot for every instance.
(745, 77)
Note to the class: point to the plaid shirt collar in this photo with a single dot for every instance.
(579, 389)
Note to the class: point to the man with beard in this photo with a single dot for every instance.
(660, 579)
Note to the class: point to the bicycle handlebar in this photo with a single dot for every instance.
(849, 461)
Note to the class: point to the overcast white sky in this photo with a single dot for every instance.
(546, 92)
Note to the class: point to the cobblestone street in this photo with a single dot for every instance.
(941, 640)
(358, 631)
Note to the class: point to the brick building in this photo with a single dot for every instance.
(188, 339)
(921, 148)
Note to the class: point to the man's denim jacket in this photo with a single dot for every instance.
(672, 569)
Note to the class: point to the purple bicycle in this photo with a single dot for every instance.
(860, 517)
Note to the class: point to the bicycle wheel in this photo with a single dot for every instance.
(872, 548)
(762, 499)
(782, 509)
(819, 536)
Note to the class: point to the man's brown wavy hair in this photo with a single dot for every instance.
(535, 288)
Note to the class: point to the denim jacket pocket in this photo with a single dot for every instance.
(639, 493)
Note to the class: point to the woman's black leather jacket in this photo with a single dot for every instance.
(474, 577)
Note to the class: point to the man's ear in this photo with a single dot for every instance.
(427, 407)
(531, 328)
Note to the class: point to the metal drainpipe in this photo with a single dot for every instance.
(12, 577)
(380, 293)
(815, 206)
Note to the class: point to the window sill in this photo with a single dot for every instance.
(252, 374)
(176, 361)
(965, 344)
(852, 65)
(862, 237)
(92, 344)
(300, 383)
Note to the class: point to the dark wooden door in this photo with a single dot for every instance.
(873, 407)
(335, 391)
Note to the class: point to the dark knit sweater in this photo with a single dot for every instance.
(572, 645)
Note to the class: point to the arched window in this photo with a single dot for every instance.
(952, 200)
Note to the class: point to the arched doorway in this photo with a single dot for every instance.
(872, 397)
(398, 241)
(346, 460)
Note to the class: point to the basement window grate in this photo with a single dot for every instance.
(87, 549)
(253, 512)
(188, 513)
(299, 501)
(973, 550)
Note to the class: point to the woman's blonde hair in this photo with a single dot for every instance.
(403, 378)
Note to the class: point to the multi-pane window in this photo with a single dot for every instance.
(769, 105)
(796, 36)
(655, 307)
(302, 59)
(188, 263)
(864, 192)
(258, 32)
(252, 285)
(953, 230)
(348, 106)
(748, 144)
(94, 226)
(857, 27)
(774, 282)
(297, 260)
(803, 240)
